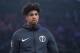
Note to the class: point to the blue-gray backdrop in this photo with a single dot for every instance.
(61, 17)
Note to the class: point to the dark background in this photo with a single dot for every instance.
(61, 17)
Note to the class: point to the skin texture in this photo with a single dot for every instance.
(32, 18)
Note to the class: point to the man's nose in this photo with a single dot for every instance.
(34, 17)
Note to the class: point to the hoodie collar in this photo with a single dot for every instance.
(33, 28)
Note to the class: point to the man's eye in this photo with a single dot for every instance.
(36, 14)
(31, 14)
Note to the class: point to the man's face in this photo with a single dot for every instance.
(32, 17)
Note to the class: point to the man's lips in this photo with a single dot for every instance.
(33, 20)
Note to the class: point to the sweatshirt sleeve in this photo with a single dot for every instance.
(15, 44)
(52, 46)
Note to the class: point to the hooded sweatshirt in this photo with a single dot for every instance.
(36, 39)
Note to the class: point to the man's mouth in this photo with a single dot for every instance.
(33, 20)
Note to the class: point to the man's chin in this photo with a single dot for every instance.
(33, 23)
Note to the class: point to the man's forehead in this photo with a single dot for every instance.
(32, 12)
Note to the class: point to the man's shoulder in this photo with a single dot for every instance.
(19, 31)
(45, 29)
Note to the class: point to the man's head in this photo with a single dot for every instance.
(31, 13)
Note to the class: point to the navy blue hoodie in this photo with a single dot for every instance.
(35, 39)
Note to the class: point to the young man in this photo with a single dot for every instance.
(32, 37)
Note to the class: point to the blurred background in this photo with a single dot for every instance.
(61, 17)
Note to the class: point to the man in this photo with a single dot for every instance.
(32, 37)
